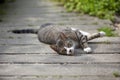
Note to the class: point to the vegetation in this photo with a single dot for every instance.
(109, 31)
(3, 7)
(5, 1)
(105, 9)
(2, 10)
(116, 74)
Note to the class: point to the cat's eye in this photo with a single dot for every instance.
(63, 51)
(69, 44)
(60, 43)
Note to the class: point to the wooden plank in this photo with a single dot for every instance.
(59, 77)
(37, 23)
(80, 27)
(59, 69)
(58, 59)
(43, 16)
(33, 22)
(106, 40)
(4, 36)
(43, 48)
(25, 49)
(20, 40)
(5, 27)
(32, 39)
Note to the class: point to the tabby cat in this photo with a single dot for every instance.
(63, 40)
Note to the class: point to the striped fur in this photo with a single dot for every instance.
(62, 39)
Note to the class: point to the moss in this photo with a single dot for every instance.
(40, 76)
(83, 18)
(30, 25)
(107, 42)
(116, 74)
(3, 44)
(61, 23)
(95, 23)
(1, 20)
(2, 12)
(2, 9)
(11, 37)
(109, 31)
(11, 0)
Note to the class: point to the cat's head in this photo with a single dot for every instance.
(64, 45)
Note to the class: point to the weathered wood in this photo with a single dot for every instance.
(32, 39)
(43, 48)
(57, 59)
(25, 49)
(18, 40)
(59, 69)
(81, 27)
(23, 57)
(59, 77)
(106, 40)
(4, 36)
(29, 26)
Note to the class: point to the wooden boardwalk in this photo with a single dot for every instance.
(23, 57)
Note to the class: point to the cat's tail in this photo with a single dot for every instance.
(27, 31)
(24, 31)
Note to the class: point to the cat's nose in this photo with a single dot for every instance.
(70, 52)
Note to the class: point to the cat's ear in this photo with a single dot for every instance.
(54, 47)
(62, 36)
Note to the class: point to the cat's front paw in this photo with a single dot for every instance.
(102, 33)
(88, 49)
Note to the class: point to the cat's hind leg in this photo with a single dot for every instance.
(96, 35)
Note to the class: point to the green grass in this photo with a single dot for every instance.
(11, 0)
(4, 5)
(116, 74)
(2, 9)
(7, 1)
(109, 31)
(1, 20)
(2, 12)
(105, 9)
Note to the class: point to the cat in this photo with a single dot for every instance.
(63, 40)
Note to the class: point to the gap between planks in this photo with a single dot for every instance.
(57, 77)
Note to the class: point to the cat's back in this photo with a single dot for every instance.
(49, 33)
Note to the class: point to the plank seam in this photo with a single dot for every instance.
(61, 63)
(56, 76)
(59, 55)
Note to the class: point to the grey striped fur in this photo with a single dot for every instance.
(50, 34)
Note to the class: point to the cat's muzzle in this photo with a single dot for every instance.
(69, 51)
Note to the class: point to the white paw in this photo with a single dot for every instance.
(74, 29)
(88, 49)
(102, 33)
